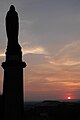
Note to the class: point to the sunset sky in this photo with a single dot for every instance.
(50, 39)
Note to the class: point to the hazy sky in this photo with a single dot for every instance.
(50, 39)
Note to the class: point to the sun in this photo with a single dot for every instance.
(69, 98)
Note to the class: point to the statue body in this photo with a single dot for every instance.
(12, 30)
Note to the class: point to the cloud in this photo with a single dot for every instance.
(2, 54)
(36, 50)
(68, 55)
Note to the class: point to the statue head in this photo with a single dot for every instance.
(12, 8)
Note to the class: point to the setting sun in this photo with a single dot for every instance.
(69, 98)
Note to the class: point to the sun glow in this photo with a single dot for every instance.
(69, 98)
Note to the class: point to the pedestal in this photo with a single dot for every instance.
(13, 89)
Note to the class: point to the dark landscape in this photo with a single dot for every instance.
(52, 110)
(49, 110)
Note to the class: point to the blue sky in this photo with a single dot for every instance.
(50, 39)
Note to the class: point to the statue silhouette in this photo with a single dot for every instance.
(12, 30)
(12, 26)
(13, 71)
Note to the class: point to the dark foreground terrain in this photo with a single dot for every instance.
(49, 110)
(52, 110)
